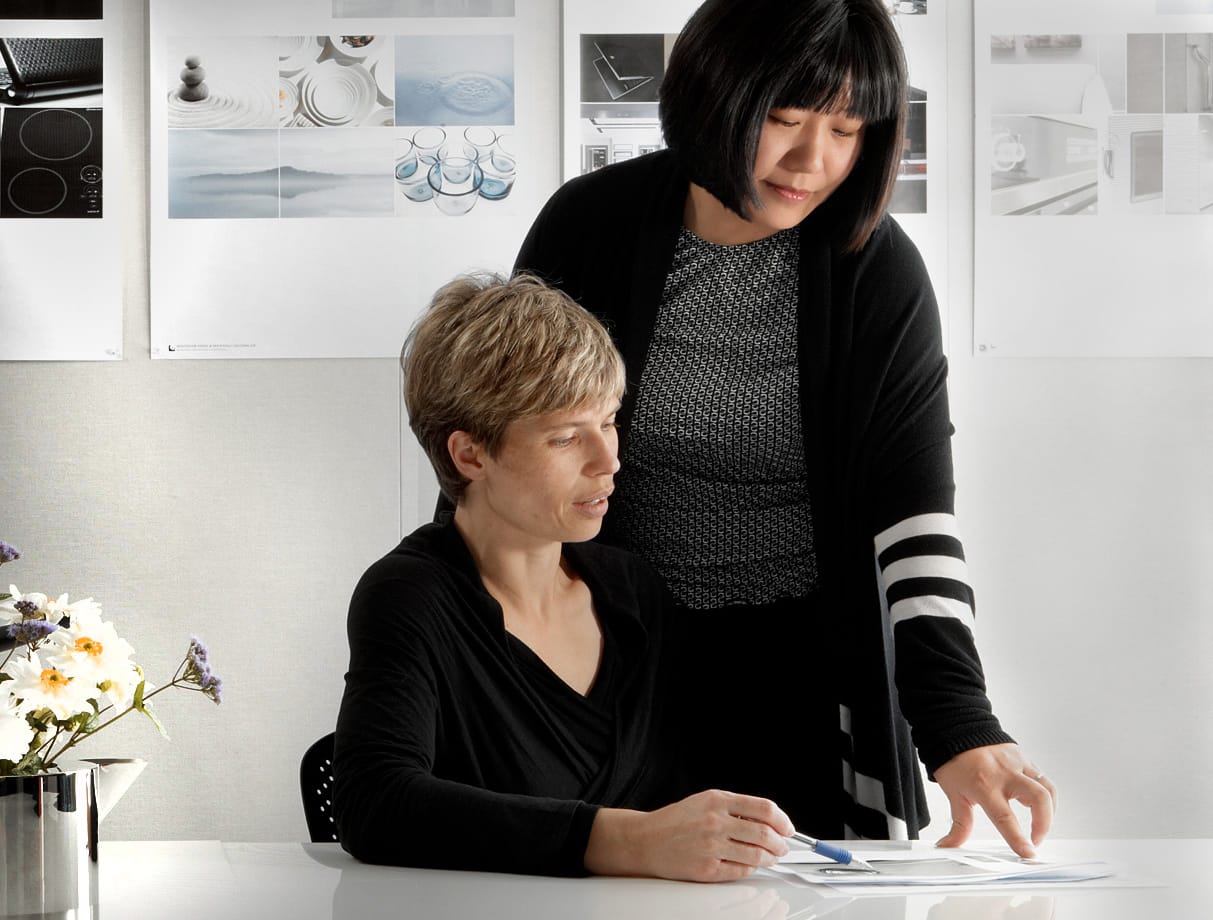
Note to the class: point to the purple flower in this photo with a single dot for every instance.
(26, 608)
(197, 651)
(212, 687)
(8, 553)
(198, 670)
(27, 632)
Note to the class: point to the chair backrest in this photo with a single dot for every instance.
(316, 785)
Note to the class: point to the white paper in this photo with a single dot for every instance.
(1094, 178)
(62, 189)
(919, 867)
(278, 225)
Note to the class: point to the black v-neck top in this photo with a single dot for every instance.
(589, 720)
(457, 747)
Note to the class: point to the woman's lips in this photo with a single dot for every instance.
(594, 507)
(788, 193)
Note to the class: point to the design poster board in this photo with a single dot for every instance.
(1093, 178)
(61, 181)
(320, 167)
(615, 56)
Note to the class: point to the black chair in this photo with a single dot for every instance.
(316, 785)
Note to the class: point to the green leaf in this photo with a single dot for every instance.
(30, 763)
(143, 708)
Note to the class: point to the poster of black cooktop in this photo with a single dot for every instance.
(50, 162)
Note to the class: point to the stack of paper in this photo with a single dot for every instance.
(918, 867)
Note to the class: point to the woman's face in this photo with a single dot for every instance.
(552, 475)
(803, 156)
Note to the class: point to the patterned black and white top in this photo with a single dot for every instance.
(720, 451)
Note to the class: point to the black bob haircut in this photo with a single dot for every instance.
(735, 60)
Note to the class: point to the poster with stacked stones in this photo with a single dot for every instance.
(60, 175)
(320, 167)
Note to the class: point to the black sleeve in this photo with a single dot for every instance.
(940, 683)
(389, 806)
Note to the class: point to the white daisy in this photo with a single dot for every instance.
(40, 686)
(16, 734)
(59, 608)
(92, 652)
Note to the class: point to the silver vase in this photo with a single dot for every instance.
(48, 841)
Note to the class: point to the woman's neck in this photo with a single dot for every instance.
(527, 579)
(710, 220)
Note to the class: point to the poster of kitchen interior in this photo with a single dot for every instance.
(615, 56)
(363, 170)
(1094, 178)
(60, 176)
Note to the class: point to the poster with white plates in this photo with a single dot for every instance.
(61, 183)
(1093, 178)
(615, 56)
(320, 167)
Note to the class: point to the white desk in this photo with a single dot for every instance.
(209, 880)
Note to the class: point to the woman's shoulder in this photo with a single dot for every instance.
(622, 184)
(615, 570)
(889, 249)
(428, 570)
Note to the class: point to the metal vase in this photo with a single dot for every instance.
(48, 841)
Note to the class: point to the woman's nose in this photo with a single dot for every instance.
(606, 454)
(806, 155)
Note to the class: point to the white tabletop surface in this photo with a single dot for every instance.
(183, 880)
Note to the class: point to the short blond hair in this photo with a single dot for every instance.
(489, 351)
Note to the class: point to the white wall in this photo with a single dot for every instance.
(1085, 493)
(240, 500)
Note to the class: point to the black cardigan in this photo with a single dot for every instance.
(447, 756)
(877, 440)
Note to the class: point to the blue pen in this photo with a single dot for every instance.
(829, 851)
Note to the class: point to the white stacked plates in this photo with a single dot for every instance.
(332, 94)
(296, 52)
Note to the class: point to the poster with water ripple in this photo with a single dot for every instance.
(311, 188)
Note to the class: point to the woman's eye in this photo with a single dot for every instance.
(562, 442)
(782, 122)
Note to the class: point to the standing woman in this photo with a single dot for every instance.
(786, 463)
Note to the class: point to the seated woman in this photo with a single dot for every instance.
(503, 708)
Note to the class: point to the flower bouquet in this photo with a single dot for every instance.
(65, 674)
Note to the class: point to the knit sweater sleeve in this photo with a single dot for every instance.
(389, 805)
(920, 559)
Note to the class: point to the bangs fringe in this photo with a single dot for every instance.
(857, 75)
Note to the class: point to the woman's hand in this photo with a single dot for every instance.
(993, 777)
(711, 836)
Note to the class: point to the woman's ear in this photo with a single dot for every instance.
(467, 454)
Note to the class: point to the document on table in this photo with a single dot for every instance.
(943, 868)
